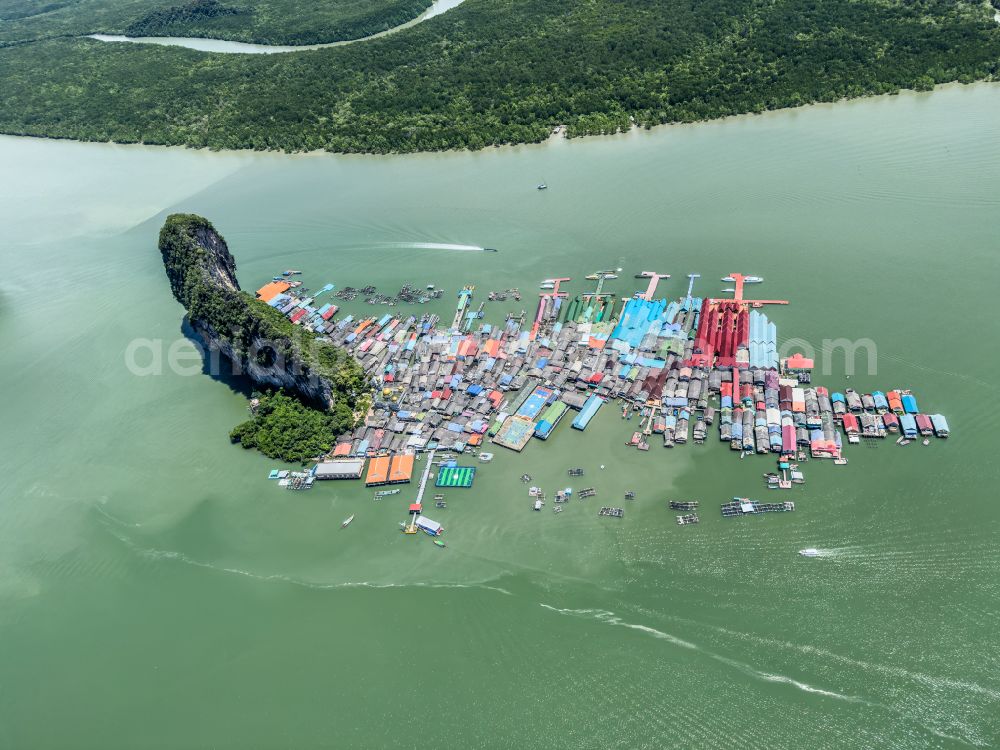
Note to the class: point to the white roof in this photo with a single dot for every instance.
(340, 468)
(426, 523)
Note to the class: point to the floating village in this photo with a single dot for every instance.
(676, 369)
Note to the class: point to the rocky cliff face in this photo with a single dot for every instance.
(195, 253)
(259, 342)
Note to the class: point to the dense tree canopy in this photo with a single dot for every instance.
(285, 428)
(264, 21)
(500, 71)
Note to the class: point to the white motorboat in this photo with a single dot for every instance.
(809, 552)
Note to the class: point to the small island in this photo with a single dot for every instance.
(314, 388)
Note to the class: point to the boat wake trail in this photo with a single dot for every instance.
(439, 246)
(610, 618)
(152, 553)
(930, 681)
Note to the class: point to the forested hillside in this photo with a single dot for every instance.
(500, 71)
(263, 21)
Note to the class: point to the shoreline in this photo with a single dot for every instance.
(558, 134)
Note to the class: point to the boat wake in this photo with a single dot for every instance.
(439, 246)
(602, 615)
(610, 618)
(930, 681)
(153, 553)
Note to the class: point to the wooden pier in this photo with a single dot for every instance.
(425, 477)
(654, 280)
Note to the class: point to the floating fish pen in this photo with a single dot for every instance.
(612, 512)
(298, 481)
(741, 506)
(683, 504)
(585, 493)
(688, 518)
(576, 472)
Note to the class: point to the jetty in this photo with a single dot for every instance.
(654, 280)
(424, 477)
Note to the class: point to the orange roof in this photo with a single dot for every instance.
(378, 471)
(467, 348)
(798, 362)
(269, 291)
(475, 439)
(402, 468)
(342, 449)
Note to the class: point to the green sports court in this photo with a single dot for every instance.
(455, 476)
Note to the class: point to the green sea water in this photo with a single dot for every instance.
(156, 591)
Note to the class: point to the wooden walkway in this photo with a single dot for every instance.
(423, 479)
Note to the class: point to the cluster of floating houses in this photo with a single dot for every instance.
(680, 366)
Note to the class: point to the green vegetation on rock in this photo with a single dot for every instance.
(500, 71)
(264, 344)
(283, 427)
